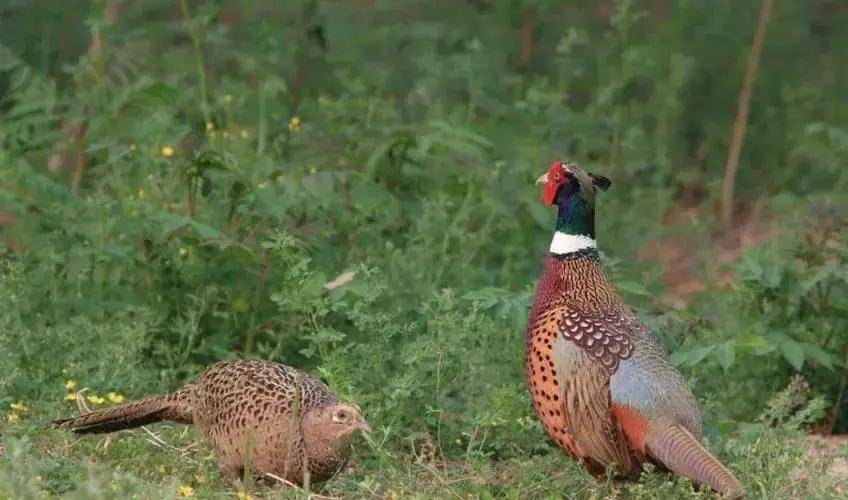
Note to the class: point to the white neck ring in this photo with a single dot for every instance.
(569, 243)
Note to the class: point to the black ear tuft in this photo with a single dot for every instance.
(600, 181)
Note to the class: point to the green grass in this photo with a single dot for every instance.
(179, 180)
(41, 463)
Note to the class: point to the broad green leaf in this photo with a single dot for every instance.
(794, 353)
(819, 355)
(207, 232)
(678, 358)
(697, 355)
(726, 353)
(171, 222)
(634, 287)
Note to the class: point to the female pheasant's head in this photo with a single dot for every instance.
(328, 431)
(572, 190)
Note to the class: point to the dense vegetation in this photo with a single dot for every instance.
(180, 180)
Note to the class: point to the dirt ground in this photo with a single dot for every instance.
(833, 450)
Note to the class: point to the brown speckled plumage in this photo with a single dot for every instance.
(253, 414)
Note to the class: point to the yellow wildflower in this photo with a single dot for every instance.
(210, 126)
(244, 496)
(243, 134)
(70, 385)
(141, 193)
(228, 98)
(280, 179)
(95, 400)
(185, 491)
(168, 151)
(13, 418)
(225, 134)
(133, 147)
(183, 252)
(161, 468)
(115, 397)
(21, 407)
(71, 397)
(294, 124)
(312, 170)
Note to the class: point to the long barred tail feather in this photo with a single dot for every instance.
(681, 452)
(174, 407)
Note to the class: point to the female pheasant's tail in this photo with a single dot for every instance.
(174, 407)
(678, 450)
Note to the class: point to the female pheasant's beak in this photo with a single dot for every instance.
(365, 427)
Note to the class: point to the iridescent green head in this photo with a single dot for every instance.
(572, 190)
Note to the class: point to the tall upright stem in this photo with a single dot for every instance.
(737, 138)
(198, 57)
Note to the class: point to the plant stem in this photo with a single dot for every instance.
(198, 55)
(737, 137)
(250, 337)
(843, 382)
(260, 143)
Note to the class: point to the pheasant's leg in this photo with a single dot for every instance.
(230, 463)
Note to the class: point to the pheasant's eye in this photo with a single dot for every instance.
(340, 417)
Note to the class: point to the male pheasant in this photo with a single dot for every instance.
(254, 415)
(600, 380)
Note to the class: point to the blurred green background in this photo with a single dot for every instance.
(179, 180)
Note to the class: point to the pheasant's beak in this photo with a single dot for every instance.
(542, 180)
(365, 427)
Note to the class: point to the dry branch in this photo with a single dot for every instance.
(737, 137)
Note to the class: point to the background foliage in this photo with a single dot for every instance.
(181, 179)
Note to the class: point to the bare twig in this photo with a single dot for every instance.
(438, 476)
(107, 441)
(282, 480)
(737, 137)
(293, 485)
(528, 25)
(158, 441)
(342, 279)
(80, 401)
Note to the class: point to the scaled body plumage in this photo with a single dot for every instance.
(266, 415)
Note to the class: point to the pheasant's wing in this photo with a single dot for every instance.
(606, 337)
(586, 348)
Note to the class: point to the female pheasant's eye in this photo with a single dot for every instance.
(340, 417)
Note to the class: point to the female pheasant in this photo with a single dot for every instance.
(600, 380)
(267, 415)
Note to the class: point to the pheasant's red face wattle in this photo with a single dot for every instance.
(553, 180)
